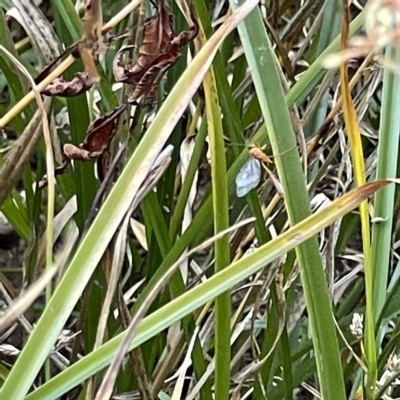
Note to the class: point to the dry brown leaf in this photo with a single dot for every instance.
(98, 138)
(99, 135)
(73, 152)
(119, 71)
(80, 84)
(149, 82)
(101, 130)
(158, 34)
(88, 48)
(159, 51)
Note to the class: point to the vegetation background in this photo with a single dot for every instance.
(159, 281)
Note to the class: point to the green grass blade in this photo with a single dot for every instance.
(261, 59)
(222, 248)
(388, 148)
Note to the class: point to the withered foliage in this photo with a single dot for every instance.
(98, 138)
(96, 145)
(60, 87)
(80, 84)
(159, 51)
(89, 48)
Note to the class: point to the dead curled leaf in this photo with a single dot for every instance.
(98, 138)
(99, 135)
(73, 49)
(159, 51)
(88, 48)
(73, 152)
(80, 84)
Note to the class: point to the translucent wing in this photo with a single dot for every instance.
(248, 177)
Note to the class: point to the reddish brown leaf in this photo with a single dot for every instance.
(73, 152)
(157, 37)
(186, 36)
(59, 87)
(120, 72)
(98, 138)
(103, 163)
(159, 51)
(101, 131)
(152, 77)
(99, 135)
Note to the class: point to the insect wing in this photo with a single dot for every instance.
(248, 177)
